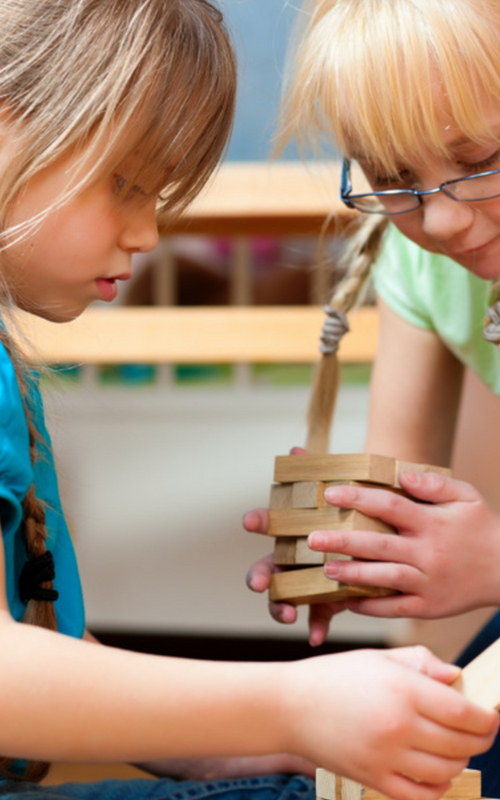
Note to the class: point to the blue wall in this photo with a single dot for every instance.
(260, 31)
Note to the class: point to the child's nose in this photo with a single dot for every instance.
(444, 218)
(140, 231)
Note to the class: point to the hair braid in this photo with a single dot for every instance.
(38, 612)
(360, 252)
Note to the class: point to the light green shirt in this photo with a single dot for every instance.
(436, 293)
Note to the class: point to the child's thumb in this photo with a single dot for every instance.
(420, 659)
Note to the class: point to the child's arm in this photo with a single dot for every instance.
(207, 769)
(415, 393)
(364, 714)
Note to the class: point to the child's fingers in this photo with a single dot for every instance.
(438, 740)
(400, 787)
(445, 706)
(284, 613)
(393, 508)
(256, 520)
(423, 660)
(320, 615)
(258, 576)
(363, 544)
(430, 768)
(393, 607)
(398, 577)
(435, 488)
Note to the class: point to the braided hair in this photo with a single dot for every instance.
(362, 248)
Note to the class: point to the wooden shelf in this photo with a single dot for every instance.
(288, 334)
(281, 199)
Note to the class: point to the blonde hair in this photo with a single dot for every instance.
(366, 73)
(153, 80)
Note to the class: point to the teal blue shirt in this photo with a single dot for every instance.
(435, 293)
(16, 475)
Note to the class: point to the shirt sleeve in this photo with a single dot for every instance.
(16, 473)
(399, 276)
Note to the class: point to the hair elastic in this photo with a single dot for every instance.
(36, 571)
(492, 330)
(335, 326)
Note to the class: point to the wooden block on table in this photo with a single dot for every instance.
(281, 495)
(407, 466)
(300, 522)
(290, 551)
(466, 786)
(300, 586)
(480, 679)
(353, 466)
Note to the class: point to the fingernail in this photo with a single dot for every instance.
(331, 494)
(316, 539)
(413, 478)
(332, 569)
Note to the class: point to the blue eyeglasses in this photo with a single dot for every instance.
(472, 188)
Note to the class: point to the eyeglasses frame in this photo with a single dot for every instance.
(347, 198)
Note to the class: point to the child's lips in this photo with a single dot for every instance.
(107, 288)
(471, 250)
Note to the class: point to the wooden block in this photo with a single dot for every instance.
(281, 495)
(300, 522)
(308, 494)
(466, 786)
(300, 586)
(480, 680)
(407, 466)
(366, 484)
(290, 551)
(353, 466)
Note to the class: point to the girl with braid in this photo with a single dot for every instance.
(409, 92)
(113, 112)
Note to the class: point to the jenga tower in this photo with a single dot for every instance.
(297, 507)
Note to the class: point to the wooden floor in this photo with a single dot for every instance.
(85, 773)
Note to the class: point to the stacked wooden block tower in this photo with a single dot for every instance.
(297, 507)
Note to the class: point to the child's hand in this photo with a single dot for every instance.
(259, 577)
(444, 561)
(386, 719)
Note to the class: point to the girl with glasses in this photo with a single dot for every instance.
(409, 93)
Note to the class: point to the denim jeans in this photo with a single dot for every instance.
(488, 763)
(268, 787)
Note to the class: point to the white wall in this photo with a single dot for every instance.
(155, 483)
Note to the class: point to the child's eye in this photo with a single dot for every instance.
(119, 182)
(486, 163)
(123, 188)
(381, 183)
